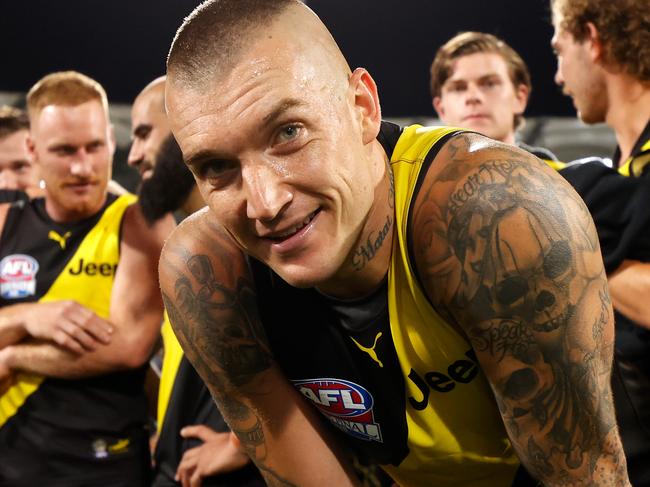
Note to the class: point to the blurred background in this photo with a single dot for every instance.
(123, 45)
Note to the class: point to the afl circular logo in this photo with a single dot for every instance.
(347, 405)
(18, 276)
(336, 397)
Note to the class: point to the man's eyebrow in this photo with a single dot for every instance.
(284, 105)
(141, 129)
(489, 75)
(200, 157)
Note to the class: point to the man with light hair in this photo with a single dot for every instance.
(603, 51)
(480, 83)
(80, 307)
(437, 297)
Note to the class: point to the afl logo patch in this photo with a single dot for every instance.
(347, 405)
(18, 276)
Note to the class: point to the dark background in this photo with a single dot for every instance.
(123, 43)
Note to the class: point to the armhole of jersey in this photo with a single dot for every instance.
(424, 169)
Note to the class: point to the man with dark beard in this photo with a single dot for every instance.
(171, 187)
(194, 446)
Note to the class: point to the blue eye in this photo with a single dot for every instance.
(288, 133)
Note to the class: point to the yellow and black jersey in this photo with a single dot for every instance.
(639, 161)
(401, 385)
(619, 202)
(184, 400)
(67, 431)
(540, 152)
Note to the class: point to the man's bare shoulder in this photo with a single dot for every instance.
(199, 234)
(475, 159)
(479, 194)
(200, 238)
(140, 234)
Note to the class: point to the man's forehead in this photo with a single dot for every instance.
(256, 85)
(478, 64)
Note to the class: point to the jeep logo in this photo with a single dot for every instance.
(461, 371)
(93, 269)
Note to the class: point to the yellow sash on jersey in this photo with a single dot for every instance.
(635, 164)
(173, 353)
(101, 245)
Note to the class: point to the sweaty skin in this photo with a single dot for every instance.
(284, 150)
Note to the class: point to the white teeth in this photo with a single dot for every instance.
(295, 228)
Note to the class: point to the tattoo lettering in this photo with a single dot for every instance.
(517, 256)
(367, 252)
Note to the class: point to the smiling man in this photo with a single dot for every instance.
(438, 297)
(80, 308)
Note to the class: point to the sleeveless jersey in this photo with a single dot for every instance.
(619, 207)
(90, 419)
(403, 386)
(639, 160)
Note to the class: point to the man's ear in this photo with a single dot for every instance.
(438, 107)
(31, 149)
(366, 103)
(595, 44)
(521, 95)
(112, 142)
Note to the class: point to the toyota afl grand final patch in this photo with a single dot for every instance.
(18, 276)
(347, 405)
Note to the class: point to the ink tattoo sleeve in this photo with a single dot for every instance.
(508, 252)
(211, 303)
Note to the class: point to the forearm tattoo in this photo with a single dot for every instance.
(217, 324)
(518, 257)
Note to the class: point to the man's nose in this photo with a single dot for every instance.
(473, 94)
(82, 164)
(135, 153)
(266, 194)
(559, 79)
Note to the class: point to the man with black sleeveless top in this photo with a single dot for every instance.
(79, 304)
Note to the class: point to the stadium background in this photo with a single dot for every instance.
(123, 45)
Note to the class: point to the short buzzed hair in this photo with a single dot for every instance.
(66, 88)
(467, 43)
(214, 35)
(12, 120)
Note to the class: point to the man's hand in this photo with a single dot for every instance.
(68, 324)
(219, 453)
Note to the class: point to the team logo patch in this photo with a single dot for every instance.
(18, 276)
(347, 405)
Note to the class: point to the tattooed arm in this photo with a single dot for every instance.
(212, 307)
(507, 251)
